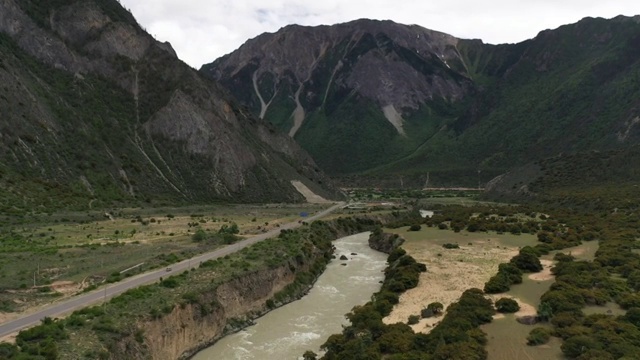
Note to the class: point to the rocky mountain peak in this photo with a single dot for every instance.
(372, 96)
(395, 67)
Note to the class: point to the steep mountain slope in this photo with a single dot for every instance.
(386, 99)
(343, 91)
(596, 180)
(93, 108)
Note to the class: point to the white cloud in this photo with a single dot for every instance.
(201, 31)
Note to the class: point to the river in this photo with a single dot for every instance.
(287, 332)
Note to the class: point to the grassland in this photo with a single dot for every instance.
(49, 256)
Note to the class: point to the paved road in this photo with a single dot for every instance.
(110, 291)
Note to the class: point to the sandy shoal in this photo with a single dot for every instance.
(447, 276)
(545, 274)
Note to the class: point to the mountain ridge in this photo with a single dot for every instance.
(95, 108)
(435, 103)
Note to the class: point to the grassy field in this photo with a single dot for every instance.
(65, 253)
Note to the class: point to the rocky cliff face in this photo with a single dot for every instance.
(384, 242)
(185, 330)
(300, 78)
(95, 108)
(372, 62)
(381, 98)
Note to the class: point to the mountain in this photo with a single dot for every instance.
(96, 112)
(379, 99)
(595, 180)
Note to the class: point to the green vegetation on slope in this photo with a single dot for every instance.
(567, 90)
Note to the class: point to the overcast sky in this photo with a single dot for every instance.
(202, 30)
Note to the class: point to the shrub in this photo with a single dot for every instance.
(229, 229)
(199, 236)
(413, 319)
(506, 305)
(270, 304)
(309, 355)
(415, 227)
(511, 272)
(435, 307)
(396, 254)
(451, 246)
(527, 260)
(171, 282)
(538, 336)
(497, 284)
(426, 313)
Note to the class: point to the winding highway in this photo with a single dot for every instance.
(109, 291)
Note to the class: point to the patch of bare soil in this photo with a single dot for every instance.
(11, 338)
(311, 197)
(545, 274)
(67, 287)
(449, 273)
(525, 308)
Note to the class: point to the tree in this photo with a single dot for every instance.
(633, 280)
(8, 351)
(527, 260)
(226, 229)
(506, 305)
(578, 345)
(545, 237)
(633, 316)
(498, 283)
(545, 311)
(538, 336)
(593, 354)
(199, 236)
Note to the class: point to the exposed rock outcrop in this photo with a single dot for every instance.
(186, 330)
(386, 99)
(291, 76)
(90, 95)
(384, 242)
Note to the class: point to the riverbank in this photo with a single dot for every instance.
(182, 313)
(287, 332)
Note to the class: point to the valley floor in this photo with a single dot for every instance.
(452, 271)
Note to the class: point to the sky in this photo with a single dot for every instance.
(202, 30)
